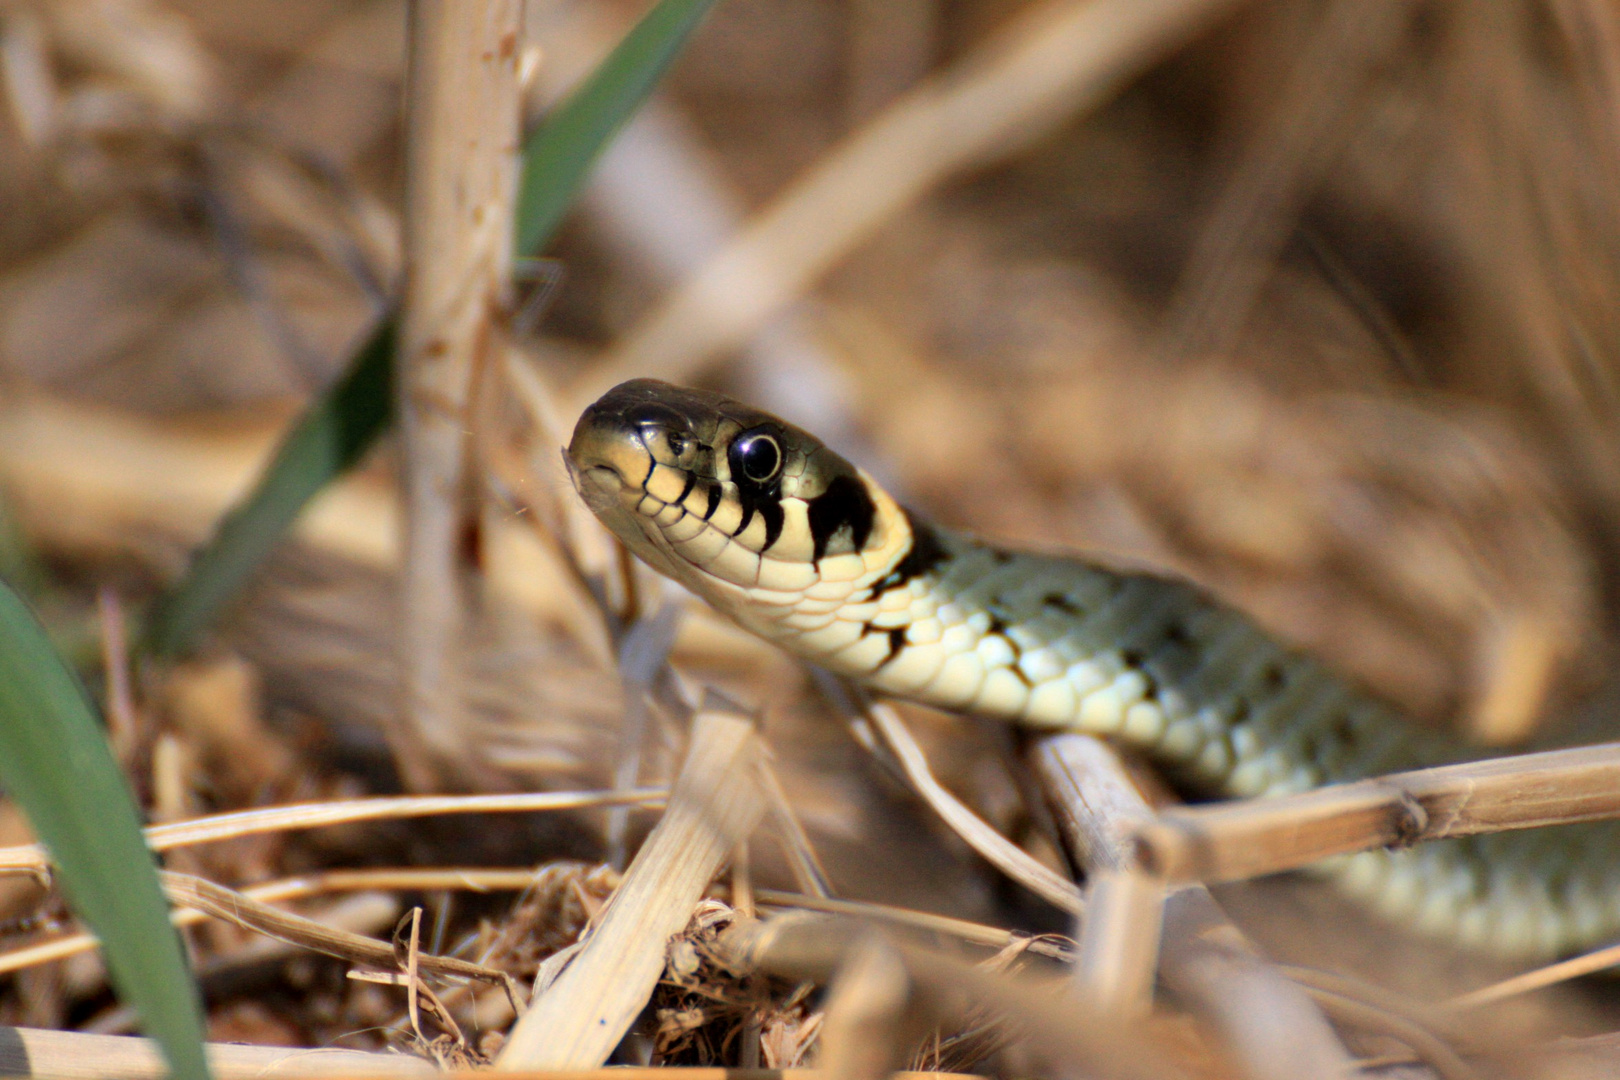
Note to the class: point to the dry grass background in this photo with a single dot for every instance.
(1318, 311)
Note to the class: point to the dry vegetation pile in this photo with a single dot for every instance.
(1318, 309)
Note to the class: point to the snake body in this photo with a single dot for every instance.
(806, 550)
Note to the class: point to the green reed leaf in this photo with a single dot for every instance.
(55, 763)
(337, 429)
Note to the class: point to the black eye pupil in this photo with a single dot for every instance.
(760, 457)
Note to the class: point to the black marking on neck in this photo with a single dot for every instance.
(897, 641)
(1135, 661)
(714, 501)
(998, 627)
(691, 482)
(897, 645)
(846, 504)
(771, 512)
(925, 554)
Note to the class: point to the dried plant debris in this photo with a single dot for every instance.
(538, 708)
(709, 1003)
(704, 1005)
(980, 1033)
(550, 915)
(192, 225)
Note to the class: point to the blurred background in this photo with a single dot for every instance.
(1316, 303)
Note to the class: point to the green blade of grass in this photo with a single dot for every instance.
(19, 562)
(55, 763)
(330, 437)
(338, 429)
(560, 153)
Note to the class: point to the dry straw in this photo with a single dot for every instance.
(576, 1021)
(461, 119)
(1233, 841)
(1054, 61)
(1268, 1023)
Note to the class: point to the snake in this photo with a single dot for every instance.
(804, 549)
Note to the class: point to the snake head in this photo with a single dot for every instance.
(725, 497)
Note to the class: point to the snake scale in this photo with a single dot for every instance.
(804, 549)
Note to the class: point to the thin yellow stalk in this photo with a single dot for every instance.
(461, 118)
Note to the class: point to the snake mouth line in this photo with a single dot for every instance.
(603, 476)
(602, 487)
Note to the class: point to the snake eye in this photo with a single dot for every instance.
(756, 457)
(677, 443)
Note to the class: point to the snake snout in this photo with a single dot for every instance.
(606, 453)
(619, 437)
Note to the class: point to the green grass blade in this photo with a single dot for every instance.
(55, 763)
(19, 562)
(342, 425)
(560, 152)
(330, 437)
